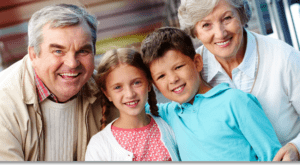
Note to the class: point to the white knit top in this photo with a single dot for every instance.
(60, 130)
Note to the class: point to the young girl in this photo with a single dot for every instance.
(134, 136)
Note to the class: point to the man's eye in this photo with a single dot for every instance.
(58, 52)
(83, 52)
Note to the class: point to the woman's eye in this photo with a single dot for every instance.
(205, 25)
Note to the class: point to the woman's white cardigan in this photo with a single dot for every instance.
(103, 146)
(277, 86)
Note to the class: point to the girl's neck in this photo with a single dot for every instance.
(131, 122)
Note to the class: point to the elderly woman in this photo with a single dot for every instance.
(265, 67)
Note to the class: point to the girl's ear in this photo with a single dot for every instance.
(106, 94)
(198, 62)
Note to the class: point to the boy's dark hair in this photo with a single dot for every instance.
(156, 44)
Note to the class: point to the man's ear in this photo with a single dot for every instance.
(31, 52)
(106, 94)
(198, 62)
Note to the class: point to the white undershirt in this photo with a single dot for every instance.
(60, 129)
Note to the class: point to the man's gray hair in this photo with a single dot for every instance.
(59, 15)
(190, 12)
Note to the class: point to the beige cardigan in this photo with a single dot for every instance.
(21, 124)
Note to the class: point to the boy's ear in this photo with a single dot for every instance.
(198, 62)
(106, 94)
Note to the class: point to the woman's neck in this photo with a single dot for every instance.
(228, 64)
(131, 122)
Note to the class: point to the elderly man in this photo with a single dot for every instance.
(48, 104)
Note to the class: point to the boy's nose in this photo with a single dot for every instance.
(173, 78)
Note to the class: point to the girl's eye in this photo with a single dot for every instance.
(137, 82)
(117, 87)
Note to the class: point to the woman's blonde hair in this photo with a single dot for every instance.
(112, 59)
(190, 12)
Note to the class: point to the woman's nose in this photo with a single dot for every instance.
(220, 31)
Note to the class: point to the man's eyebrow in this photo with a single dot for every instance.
(87, 46)
(57, 46)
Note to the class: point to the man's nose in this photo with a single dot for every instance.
(71, 61)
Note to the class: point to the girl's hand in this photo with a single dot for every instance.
(288, 152)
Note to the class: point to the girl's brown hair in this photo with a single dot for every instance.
(112, 59)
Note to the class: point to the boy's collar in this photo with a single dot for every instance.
(212, 92)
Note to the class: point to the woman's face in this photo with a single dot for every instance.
(221, 32)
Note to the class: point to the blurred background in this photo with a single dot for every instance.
(125, 23)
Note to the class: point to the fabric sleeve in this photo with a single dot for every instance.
(256, 127)
(163, 109)
(292, 83)
(96, 152)
(10, 144)
(11, 138)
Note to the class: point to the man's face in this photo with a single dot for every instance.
(66, 60)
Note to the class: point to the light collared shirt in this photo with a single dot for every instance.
(43, 91)
(224, 124)
(243, 76)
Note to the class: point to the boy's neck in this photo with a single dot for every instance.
(203, 88)
(131, 122)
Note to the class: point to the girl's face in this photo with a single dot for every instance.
(127, 87)
(221, 32)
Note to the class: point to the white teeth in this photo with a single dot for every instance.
(69, 74)
(222, 43)
(178, 89)
(131, 103)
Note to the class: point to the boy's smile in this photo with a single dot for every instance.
(177, 76)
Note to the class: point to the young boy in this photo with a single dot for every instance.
(210, 124)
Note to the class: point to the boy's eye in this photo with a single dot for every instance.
(180, 66)
(160, 77)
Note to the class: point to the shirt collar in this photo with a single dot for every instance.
(211, 93)
(247, 66)
(42, 90)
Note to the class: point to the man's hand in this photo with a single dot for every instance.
(288, 152)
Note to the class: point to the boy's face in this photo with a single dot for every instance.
(177, 76)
